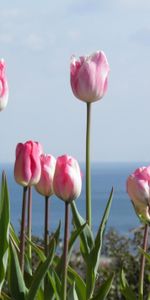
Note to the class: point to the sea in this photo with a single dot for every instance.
(104, 176)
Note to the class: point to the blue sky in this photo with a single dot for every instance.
(37, 39)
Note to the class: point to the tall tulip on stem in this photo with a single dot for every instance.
(27, 172)
(45, 188)
(138, 188)
(67, 185)
(89, 76)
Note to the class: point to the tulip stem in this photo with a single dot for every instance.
(46, 243)
(46, 232)
(142, 267)
(29, 226)
(22, 233)
(65, 252)
(88, 171)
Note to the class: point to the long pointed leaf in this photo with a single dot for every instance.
(126, 291)
(104, 289)
(86, 236)
(93, 259)
(95, 254)
(72, 295)
(40, 274)
(15, 279)
(4, 229)
(73, 276)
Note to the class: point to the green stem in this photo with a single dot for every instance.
(22, 233)
(65, 253)
(29, 226)
(88, 171)
(46, 243)
(142, 267)
(46, 230)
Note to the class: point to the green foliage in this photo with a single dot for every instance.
(93, 272)
(91, 248)
(16, 282)
(4, 229)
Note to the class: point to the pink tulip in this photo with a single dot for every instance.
(3, 86)
(67, 181)
(27, 170)
(138, 188)
(89, 76)
(45, 185)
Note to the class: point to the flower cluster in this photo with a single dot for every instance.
(48, 175)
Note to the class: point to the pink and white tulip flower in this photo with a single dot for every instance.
(67, 181)
(3, 86)
(45, 184)
(27, 170)
(89, 76)
(138, 188)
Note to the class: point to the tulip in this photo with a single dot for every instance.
(27, 172)
(89, 76)
(67, 185)
(45, 188)
(45, 184)
(138, 188)
(27, 169)
(67, 181)
(3, 86)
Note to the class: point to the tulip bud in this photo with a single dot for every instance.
(3, 86)
(67, 181)
(45, 184)
(89, 76)
(27, 170)
(138, 188)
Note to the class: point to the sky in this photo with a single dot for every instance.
(37, 39)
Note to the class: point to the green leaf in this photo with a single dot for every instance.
(94, 256)
(72, 295)
(126, 291)
(145, 254)
(37, 250)
(55, 282)
(104, 289)
(86, 236)
(40, 274)
(148, 297)
(73, 276)
(5, 297)
(73, 238)
(15, 279)
(56, 235)
(14, 238)
(4, 229)
(95, 253)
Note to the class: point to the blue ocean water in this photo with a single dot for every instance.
(104, 176)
